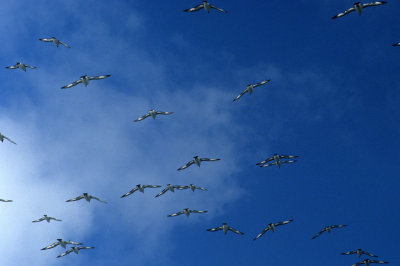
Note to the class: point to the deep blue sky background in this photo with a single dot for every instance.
(333, 100)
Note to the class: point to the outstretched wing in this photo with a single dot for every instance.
(130, 192)
(52, 218)
(66, 45)
(31, 67)
(215, 229)
(377, 3)
(96, 198)
(201, 188)
(186, 165)
(265, 161)
(260, 234)
(65, 253)
(344, 13)
(235, 231)
(12, 67)
(349, 252)
(261, 83)
(219, 9)
(176, 214)
(85, 248)
(196, 8)
(196, 211)
(141, 118)
(73, 243)
(282, 223)
(240, 95)
(209, 160)
(98, 77)
(181, 187)
(3, 200)
(72, 84)
(162, 192)
(369, 254)
(378, 261)
(288, 156)
(164, 113)
(38, 220)
(282, 162)
(151, 186)
(319, 233)
(267, 165)
(75, 199)
(46, 40)
(339, 226)
(51, 246)
(9, 140)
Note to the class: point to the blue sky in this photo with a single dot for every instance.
(333, 100)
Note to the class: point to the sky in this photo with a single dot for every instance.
(333, 100)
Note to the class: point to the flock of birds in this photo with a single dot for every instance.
(276, 159)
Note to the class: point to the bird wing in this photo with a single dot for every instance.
(32, 67)
(176, 214)
(52, 218)
(219, 9)
(260, 234)
(282, 223)
(240, 95)
(3, 200)
(164, 113)
(196, 8)
(288, 156)
(281, 162)
(73, 243)
(98, 77)
(215, 229)
(72, 84)
(186, 165)
(162, 192)
(344, 13)
(267, 165)
(141, 118)
(12, 67)
(319, 233)
(151, 186)
(66, 45)
(235, 231)
(51, 246)
(377, 3)
(38, 220)
(46, 40)
(196, 211)
(96, 198)
(201, 188)
(75, 199)
(396, 44)
(130, 192)
(208, 160)
(9, 140)
(85, 247)
(378, 261)
(181, 187)
(261, 83)
(349, 252)
(65, 253)
(369, 254)
(265, 161)
(339, 226)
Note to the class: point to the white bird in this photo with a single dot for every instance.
(272, 227)
(206, 5)
(367, 262)
(329, 229)
(171, 188)
(85, 80)
(250, 88)
(47, 218)
(3, 200)
(186, 211)
(61, 243)
(55, 41)
(20, 66)
(87, 197)
(153, 113)
(359, 252)
(74, 249)
(193, 187)
(197, 161)
(140, 188)
(225, 227)
(277, 160)
(359, 8)
(2, 138)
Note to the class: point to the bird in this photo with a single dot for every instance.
(3, 200)
(55, 41)
(87, 197)
(47, 218)
(250, 88)
(396, 44)
(61, 243)
(277, 160)
(85, 79)
(197, 161)
(171, 188)
(272, 227)
(225, 227)
(20, 66)
(140, 188)
(2, 138)
(359, 8)
(206, 5)
(153, 113)
(193, 187)
(186, 211)
(74, 249)
(359, 252)
(367, 262)
(329, 229)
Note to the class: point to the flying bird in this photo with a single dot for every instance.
(206, 5)
(277, 160)
(20, 66)
(225, 227)
(197, 161)
(61, 243)
(85, 80)
(55, 41)
(171, 188)
(186, 211)
(153, 113)
(140, 188)
(359, 252)
(3, 200)
(87, 197)
(359, 8)
(367, 262)
(74, 249)
(2, 138)
(250, 88)
(272, 227)
(193, 188)
(329, 229)
(47, 218)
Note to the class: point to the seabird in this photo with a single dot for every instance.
(367, 262)
(85, 80)
(3, 200)
(153, 113)
(20, 66)
(61, 243)
(225, 228)
(47, 218)
(359, 8)
(74, 249)
(206, 5)
(2, 137)
(250, 88)
(140, 188)
(87, 197)
(329, 228)
(186, 211)
(277, 160)
(193, 187)
(197, 161)
(272, 227)
(171, 188)
(55, 41)
(359, 252)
